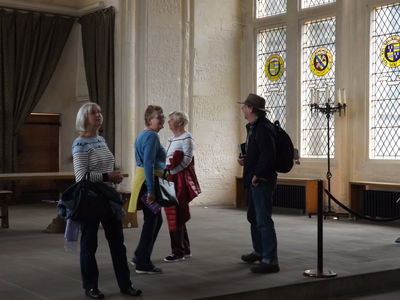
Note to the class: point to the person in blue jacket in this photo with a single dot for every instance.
(150, 158)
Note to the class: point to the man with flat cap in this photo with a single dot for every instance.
(259, 179)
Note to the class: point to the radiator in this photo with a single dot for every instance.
(290, 196)
(381, 204)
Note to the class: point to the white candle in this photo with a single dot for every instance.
(315, 96)
(344, 96)
(311, 96)
(338, 98)
(327, 94)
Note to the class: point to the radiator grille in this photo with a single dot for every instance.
(381, 204)
(290, 196)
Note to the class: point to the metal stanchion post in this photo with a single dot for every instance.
(319, 272)
(329, 109)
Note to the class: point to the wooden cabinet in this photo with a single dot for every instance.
(38, 151)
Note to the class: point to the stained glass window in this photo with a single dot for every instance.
(318, 73)
(384, 95)
(271, 72)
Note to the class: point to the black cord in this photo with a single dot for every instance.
(357, 214)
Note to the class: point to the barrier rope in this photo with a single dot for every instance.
(357, 214)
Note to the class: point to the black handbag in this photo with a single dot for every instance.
(88, 200)
(165, 191)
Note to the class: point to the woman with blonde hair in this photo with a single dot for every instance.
(93, 159)
(180, 162)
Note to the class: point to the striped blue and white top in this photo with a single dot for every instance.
(91, 154)
(183, 143)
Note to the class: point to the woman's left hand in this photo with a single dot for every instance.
(150, 198)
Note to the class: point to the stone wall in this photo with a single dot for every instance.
(192, 56)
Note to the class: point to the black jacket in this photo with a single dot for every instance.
(69, 202)
(260, 157)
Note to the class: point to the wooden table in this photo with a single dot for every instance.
(64, 179)
(37, 175)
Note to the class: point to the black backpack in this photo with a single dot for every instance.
(284, 150)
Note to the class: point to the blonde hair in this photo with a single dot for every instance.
(180, 117)
(81, 116)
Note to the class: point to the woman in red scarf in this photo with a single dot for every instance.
(180, 162)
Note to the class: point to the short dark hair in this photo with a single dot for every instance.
(151, 110)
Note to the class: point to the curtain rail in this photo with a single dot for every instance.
(70, 12)
(26, 10)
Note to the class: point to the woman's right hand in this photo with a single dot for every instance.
(150, 198)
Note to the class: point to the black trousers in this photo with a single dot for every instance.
(115, 237)
(151, 226)
(180, 244)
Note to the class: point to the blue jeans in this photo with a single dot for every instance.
(262, 228)
(151, 227)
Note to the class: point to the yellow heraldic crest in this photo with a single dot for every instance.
(321, 61)
(390, 51)
(274, 67)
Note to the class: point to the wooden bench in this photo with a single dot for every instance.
(4, 195)
(310, 185)
(357, 189)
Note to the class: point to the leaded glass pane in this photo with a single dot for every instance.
(385, 83)
(312, 3)
(271, 72)
(266, 8)
(317, 35)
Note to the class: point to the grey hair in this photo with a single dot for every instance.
(180, 116)
(81, 116)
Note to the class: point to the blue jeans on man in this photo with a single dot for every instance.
(259, 214)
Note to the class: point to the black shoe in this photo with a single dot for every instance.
(265, 268)
(94, 294)
(131, 291)
(250, 258)
(174, 258)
